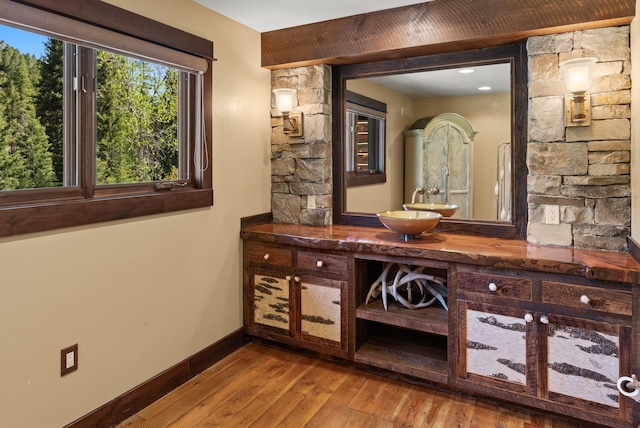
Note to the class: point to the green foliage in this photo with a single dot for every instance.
(137, 120)
(136, 123)
(49, 103)
(25, 157)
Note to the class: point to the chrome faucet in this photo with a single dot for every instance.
(422, 191)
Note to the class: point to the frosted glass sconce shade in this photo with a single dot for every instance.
(578, 73)
(285, 99)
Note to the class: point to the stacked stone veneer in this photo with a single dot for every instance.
(301, 178)
(584, 170)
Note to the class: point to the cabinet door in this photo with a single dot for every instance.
(322, 310)
(493, 345)
(584, 361)
(271, 297)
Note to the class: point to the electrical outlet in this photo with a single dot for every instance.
(69, 360)
(552, 214)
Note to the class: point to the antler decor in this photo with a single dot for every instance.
(408, 285)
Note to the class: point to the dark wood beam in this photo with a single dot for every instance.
(435, 27)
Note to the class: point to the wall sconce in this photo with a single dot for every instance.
(578, 75)
(291, 123)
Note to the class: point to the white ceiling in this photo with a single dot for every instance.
(450, 83)
(268, 15)
(263, 15)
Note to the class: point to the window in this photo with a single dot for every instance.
(96, 125)
(365, 140)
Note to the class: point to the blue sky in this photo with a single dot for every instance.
(24, 41)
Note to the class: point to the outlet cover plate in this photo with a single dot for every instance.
(69, 360)
(552, 214)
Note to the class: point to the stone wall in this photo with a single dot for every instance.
(584, 170)
(301, 177)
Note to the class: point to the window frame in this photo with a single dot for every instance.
(36, 210)
(359, 105)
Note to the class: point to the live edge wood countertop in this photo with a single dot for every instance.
(455, 248)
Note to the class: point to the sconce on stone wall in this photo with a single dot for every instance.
(291, 122)
(578, 75)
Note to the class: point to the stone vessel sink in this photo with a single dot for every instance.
(409, 222)
(447, 210)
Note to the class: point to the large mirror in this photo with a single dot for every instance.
(422, 91)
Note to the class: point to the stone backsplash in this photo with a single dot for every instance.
(584, 170)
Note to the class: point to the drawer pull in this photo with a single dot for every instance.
(493, 286)
(319, 263)
(544, 319)
(296, 278)
(267, 256)
(585, 299)
(288, 277)
(528, 317)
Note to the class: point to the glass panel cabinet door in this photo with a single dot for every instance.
(271, 300)
(494, 345)
(321, 308)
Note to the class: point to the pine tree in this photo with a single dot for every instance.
(25, 160)
(49, 105)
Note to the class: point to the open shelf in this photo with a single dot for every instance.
(433, 319)
(414, 357)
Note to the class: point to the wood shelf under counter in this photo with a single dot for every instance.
(433, 319)
(414, 353)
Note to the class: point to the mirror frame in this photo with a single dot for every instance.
(516, 55)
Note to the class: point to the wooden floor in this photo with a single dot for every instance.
(260, 386)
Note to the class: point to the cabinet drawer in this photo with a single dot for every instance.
(577, 296)
(269, 254)
(321, 262)
(503, 286)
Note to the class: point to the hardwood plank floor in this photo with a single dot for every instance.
(260, 386)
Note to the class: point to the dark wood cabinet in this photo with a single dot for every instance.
(548, 328)
(297, 297)
(553, 344)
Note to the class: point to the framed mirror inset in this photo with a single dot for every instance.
(428, 112)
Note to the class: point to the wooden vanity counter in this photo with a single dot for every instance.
(547, 327)
(474, 250)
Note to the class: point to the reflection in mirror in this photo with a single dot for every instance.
(413, 100)
(500, 119)
(364, 140)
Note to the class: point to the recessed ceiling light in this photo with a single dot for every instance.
(484, 88)
(467, 70)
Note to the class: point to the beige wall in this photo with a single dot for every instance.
(635, 127)
(139, 296)
(400, 114)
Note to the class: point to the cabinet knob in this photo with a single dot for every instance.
(288, 277)
(585, 299)
(296, 278)
(493, 286)
(319, 263)
(528, 317)
(544, 319)
(267, 256)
